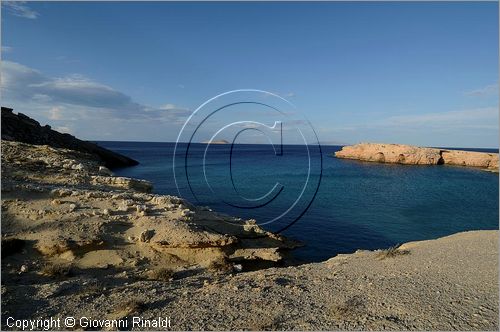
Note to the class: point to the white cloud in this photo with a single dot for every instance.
(76, 96)
(20, 9)
(64, 129)
(488, 90)
(434, 128)
(86, 108)
(168, 107)
(55, 113)
(485, 117)
(476, 127)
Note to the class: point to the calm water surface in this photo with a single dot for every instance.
(359, 205)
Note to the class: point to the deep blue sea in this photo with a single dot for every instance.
(358, 205)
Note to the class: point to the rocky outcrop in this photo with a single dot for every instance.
(21, 128)
(412, 155)
(72, 210)
(122, 182)
(391, 153)
(470, 158)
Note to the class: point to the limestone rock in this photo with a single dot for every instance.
(391, 153)
(146, 235)
(123, 183)
(407, 154)
(470, 158)
(103, 170)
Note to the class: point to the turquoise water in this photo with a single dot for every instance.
(358, 205)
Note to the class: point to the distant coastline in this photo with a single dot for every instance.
(221, 141)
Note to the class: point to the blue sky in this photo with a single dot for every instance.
(416, 73)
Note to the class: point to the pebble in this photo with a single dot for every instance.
(146, 235)
(23, 269)
(123, 208)
(141, 208)
(78, 167)
(187, 213)
(105, 171)
(106, 212)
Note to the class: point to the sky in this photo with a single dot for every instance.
(412, 73)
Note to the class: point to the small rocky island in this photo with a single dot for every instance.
(412, 155)
(78, 241)
(220, 141)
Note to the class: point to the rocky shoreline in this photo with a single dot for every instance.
(78, 241)
(412, 155)
(70, 206)
(22, 128)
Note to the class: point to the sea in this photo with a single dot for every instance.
(331, 205)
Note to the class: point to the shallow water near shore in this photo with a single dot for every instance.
(359, 205)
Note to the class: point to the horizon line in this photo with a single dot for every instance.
(322, 144)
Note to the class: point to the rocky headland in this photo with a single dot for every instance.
(412, 155)
(21, 128)
(78, 241)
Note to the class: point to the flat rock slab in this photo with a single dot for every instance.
(412, 155)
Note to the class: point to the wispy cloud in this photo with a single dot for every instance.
(83, 96)
(20, 9)
(6, 49)
(64, 129)
(486, 116)
(488, 90)
(474, 127)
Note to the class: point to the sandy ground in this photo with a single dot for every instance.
(78, 242)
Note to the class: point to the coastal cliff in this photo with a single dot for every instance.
(21, 128)
(412, 155)
(78, 241)
(74, 210)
